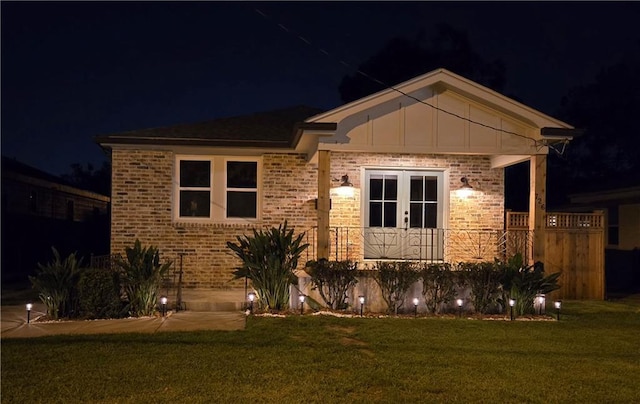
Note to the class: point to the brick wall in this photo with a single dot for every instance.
(142, 204)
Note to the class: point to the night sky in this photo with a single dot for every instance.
(71, 71)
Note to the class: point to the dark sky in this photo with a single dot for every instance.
(71, 71)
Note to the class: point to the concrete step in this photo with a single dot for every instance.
(212, 299)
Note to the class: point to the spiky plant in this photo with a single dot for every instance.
(141, 277)
(56, 283)
(268, 260)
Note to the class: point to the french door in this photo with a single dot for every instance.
(403, 214)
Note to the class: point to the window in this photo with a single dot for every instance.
(242, 189)
(195, 188)
(216, 188)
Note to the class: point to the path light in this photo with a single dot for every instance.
(557, 303)
(163, 302)
(301, 298)
(512, 302)
(460, 302)
(252, 297)
(29, 306)
(539, 303)
(415, 307)
(361, 300)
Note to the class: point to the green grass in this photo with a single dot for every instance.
(592, 355)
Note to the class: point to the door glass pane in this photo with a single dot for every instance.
(241, 204)
(391, 188)
(415, 215)
(416, 188)
(195, 173)
(431, 215)
(390, 215)
(242, 174)
(375, 188)
(194, 203)
(432, 189)
(375, 214)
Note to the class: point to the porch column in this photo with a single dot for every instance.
(324, 187)
(537, 203)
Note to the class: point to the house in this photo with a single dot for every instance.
(383, 177)
(41, 210)
(621, 208)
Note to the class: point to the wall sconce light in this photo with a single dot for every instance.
(465, 190)
(415, 307)
(512, 303)
(301, 298)
(558, 303)
(252, 297)
(460, 302)
(29, 306)
(344, 181)
(163, 302)
(361, 300)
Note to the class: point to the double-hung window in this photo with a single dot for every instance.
(217, 188)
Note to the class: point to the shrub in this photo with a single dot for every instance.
(522, 283)
(56, 283)
(394, 280)
(484, 281)
(268, 260)
(332, 280)
(141, 274)
(99, 294)
(438, 285)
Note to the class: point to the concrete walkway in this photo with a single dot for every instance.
(14, 323)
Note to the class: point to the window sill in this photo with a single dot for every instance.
(233, 224)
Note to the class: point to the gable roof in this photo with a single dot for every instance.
(277, 128)
(444, 79)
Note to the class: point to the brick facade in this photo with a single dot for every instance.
(142, 203)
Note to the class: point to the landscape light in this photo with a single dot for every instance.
(512, 302)
(301, 298)
(361, 299)
(29, 306)
(163, 301)
(539, 303)
(415, 306)
(460, 302)
(557, 303)
(252, 297)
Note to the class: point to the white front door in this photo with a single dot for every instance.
(403, 216)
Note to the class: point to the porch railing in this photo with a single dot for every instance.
(429, 245)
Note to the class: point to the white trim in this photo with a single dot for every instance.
(218, 189)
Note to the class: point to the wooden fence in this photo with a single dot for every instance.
(574, 246)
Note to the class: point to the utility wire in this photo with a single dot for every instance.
(536, 143)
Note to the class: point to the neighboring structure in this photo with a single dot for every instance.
(400, 153)
(40, 210)
(621, 208)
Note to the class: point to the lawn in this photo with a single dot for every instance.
(592, 355)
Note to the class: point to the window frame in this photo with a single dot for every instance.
(217, 189)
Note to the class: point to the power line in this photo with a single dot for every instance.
(536, 143)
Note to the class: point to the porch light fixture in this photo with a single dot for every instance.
(301, 298)
(344, 181)
(466, 189)
(252, 297)
(459, 302)
(512, 303)
(557, 304)
(361, 300)
(415, 306)
(163, 302)
(29, 306)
